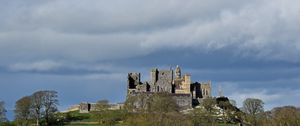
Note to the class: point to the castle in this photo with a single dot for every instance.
(185, 92)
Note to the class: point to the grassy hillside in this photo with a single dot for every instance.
(84, 125)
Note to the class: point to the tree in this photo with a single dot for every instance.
(208, 104)
(37, 104)
(286, 115)
(227, 110)
(253, 107)
(232, 102)
(2, 112)
(161, 106)
(44, 104)
(23, 111)
(135, 110)
(158, 109)
(202, 117)
(50, 103)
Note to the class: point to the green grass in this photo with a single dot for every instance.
(102, 125)
(226, 125)
(83, 125)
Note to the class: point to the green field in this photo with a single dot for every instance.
(226, 125)
(102, 125)
(84, 125)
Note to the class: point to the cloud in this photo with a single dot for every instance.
(63, 67)
(114, 16)
(252, 47)
(45, 65)
(262, 30)
(269, 97)
(99, 30)
(240, 96)
(272, 96)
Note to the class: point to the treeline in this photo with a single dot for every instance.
(159, 109)
(38, 108)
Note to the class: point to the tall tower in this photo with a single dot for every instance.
(154, 75)
(134, 79)
(186, 83)
(178, 72)
(206, 89)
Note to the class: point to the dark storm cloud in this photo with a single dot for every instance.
(248, 47)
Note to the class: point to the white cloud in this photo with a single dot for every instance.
(271, 99)
(265, 30)
(45, 65)
(271, 96)
(240, 96)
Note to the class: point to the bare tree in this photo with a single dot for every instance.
(37, 104)
(2, 112)
(44, 104)
(23, 111)
(50, 103)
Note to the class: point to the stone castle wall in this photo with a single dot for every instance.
(181, 88)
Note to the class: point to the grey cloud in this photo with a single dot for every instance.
(90, 70)
(77, 47)
(63, 29)
(263, 30)
(58, 44)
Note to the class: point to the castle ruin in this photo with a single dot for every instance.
(185, 92)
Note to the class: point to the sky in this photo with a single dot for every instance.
(84, 49)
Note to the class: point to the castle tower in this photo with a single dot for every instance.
(206, 89)
(154, 75)
(133, 80)
(186, 84)
(178, 72)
